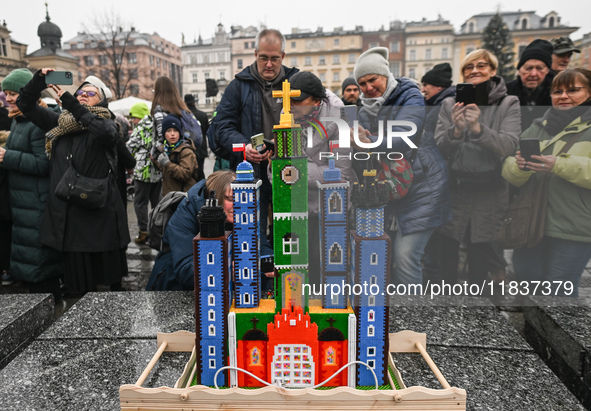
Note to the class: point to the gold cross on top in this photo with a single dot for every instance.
(286, 120)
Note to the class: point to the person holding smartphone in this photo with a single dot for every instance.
(475, 140)
(565, 250)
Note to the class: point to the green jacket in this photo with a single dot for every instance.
(28, 176)
(569, 193)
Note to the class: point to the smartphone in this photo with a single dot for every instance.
(258, 143)
(529, 147)
(64, 78)
(270, 145)
(466, 93)
(349, 114)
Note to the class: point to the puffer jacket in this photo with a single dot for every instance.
(481, 207)
(28, 170)
(140, 145)
(569, 190)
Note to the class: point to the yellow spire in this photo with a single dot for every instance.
(286, 120)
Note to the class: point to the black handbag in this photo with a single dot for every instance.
(86, 192)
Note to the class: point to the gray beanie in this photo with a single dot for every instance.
(372, 61)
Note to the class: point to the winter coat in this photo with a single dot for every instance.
(140, 144)
(482, 207)
(4, 190)
(27, 166)
(569, 190)
(68, 227)
(425, 205)
(238, 119)
(533, 105)
(180, 174)
(330, 107)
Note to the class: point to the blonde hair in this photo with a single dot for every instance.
(480, 54)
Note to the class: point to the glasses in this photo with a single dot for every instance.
(479, 67)
(88, 93)
(529, 69)
(569, 92)
(265, 59)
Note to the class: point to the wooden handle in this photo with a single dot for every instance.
(432, 365)
(151, 365)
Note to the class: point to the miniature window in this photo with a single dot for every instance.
(335, 203)
(373, 280)
(245, 273)
(335, 254)
(245, 246)
(212, 350)
(210, 258)
(374, 259)
(211, 280)
(291, 243)
(211, 330)
(211, 315)
(371, 363)
(371, 301)
(371, 331)
(371, 351)
(246, 298)
(335, 299)
(371, 315)
(244, 218)
(211, 299)
(244, 198)
(212, 364)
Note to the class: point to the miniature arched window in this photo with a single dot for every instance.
(210, 258)
(330, 356)
(244, 198)
(212, 350)
(374, 259)
(335, 203)
(211, 330)
(291, 243)
(244, 218)
(211, 281)
(211, 315)
(245, 273)
(335, 254)
(371, 331)
(373, 280)
(212, 364)
(255, 356)
(371, 300)
(371, 315)
(211, 299)
(245, 247)
(246, 298)
(371, 351)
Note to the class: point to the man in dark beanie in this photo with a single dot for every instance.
(204, 122)
(436, 80)
(350, 92)
(533, 81)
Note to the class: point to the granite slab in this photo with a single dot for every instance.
(22, 318)
(82, 374)
(461, 322)
(139, 314)
(493, 379)
(561, 335)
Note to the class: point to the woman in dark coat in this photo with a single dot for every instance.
(92, 241)
(27, 165)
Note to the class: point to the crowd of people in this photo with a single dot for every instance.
(465, 160)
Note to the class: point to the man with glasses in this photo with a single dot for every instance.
(248, 108)
(534, 78)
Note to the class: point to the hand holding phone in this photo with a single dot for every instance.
(349, 114)
(529, 147)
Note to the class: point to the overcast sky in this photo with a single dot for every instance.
(170, 18)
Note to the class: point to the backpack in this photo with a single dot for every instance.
(160, 215)
(191, 128)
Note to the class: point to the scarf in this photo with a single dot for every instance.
(67, 124)
(169, 148)
(558, 120)
(373, 105)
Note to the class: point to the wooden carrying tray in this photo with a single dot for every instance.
(186, 397)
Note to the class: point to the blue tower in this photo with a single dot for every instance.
(212, 300)
(333, 198)
(245, 237)
(370, 264)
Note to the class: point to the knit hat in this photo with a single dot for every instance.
(139, 110)
(348, 81)
(16, 80)
(563, 45)
(308, 84)
(94, 81)
(439, 75)
(372, 61)
(539, 50)
(189, 99)
(172, 121)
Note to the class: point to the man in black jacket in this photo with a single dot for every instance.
(204, 122)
